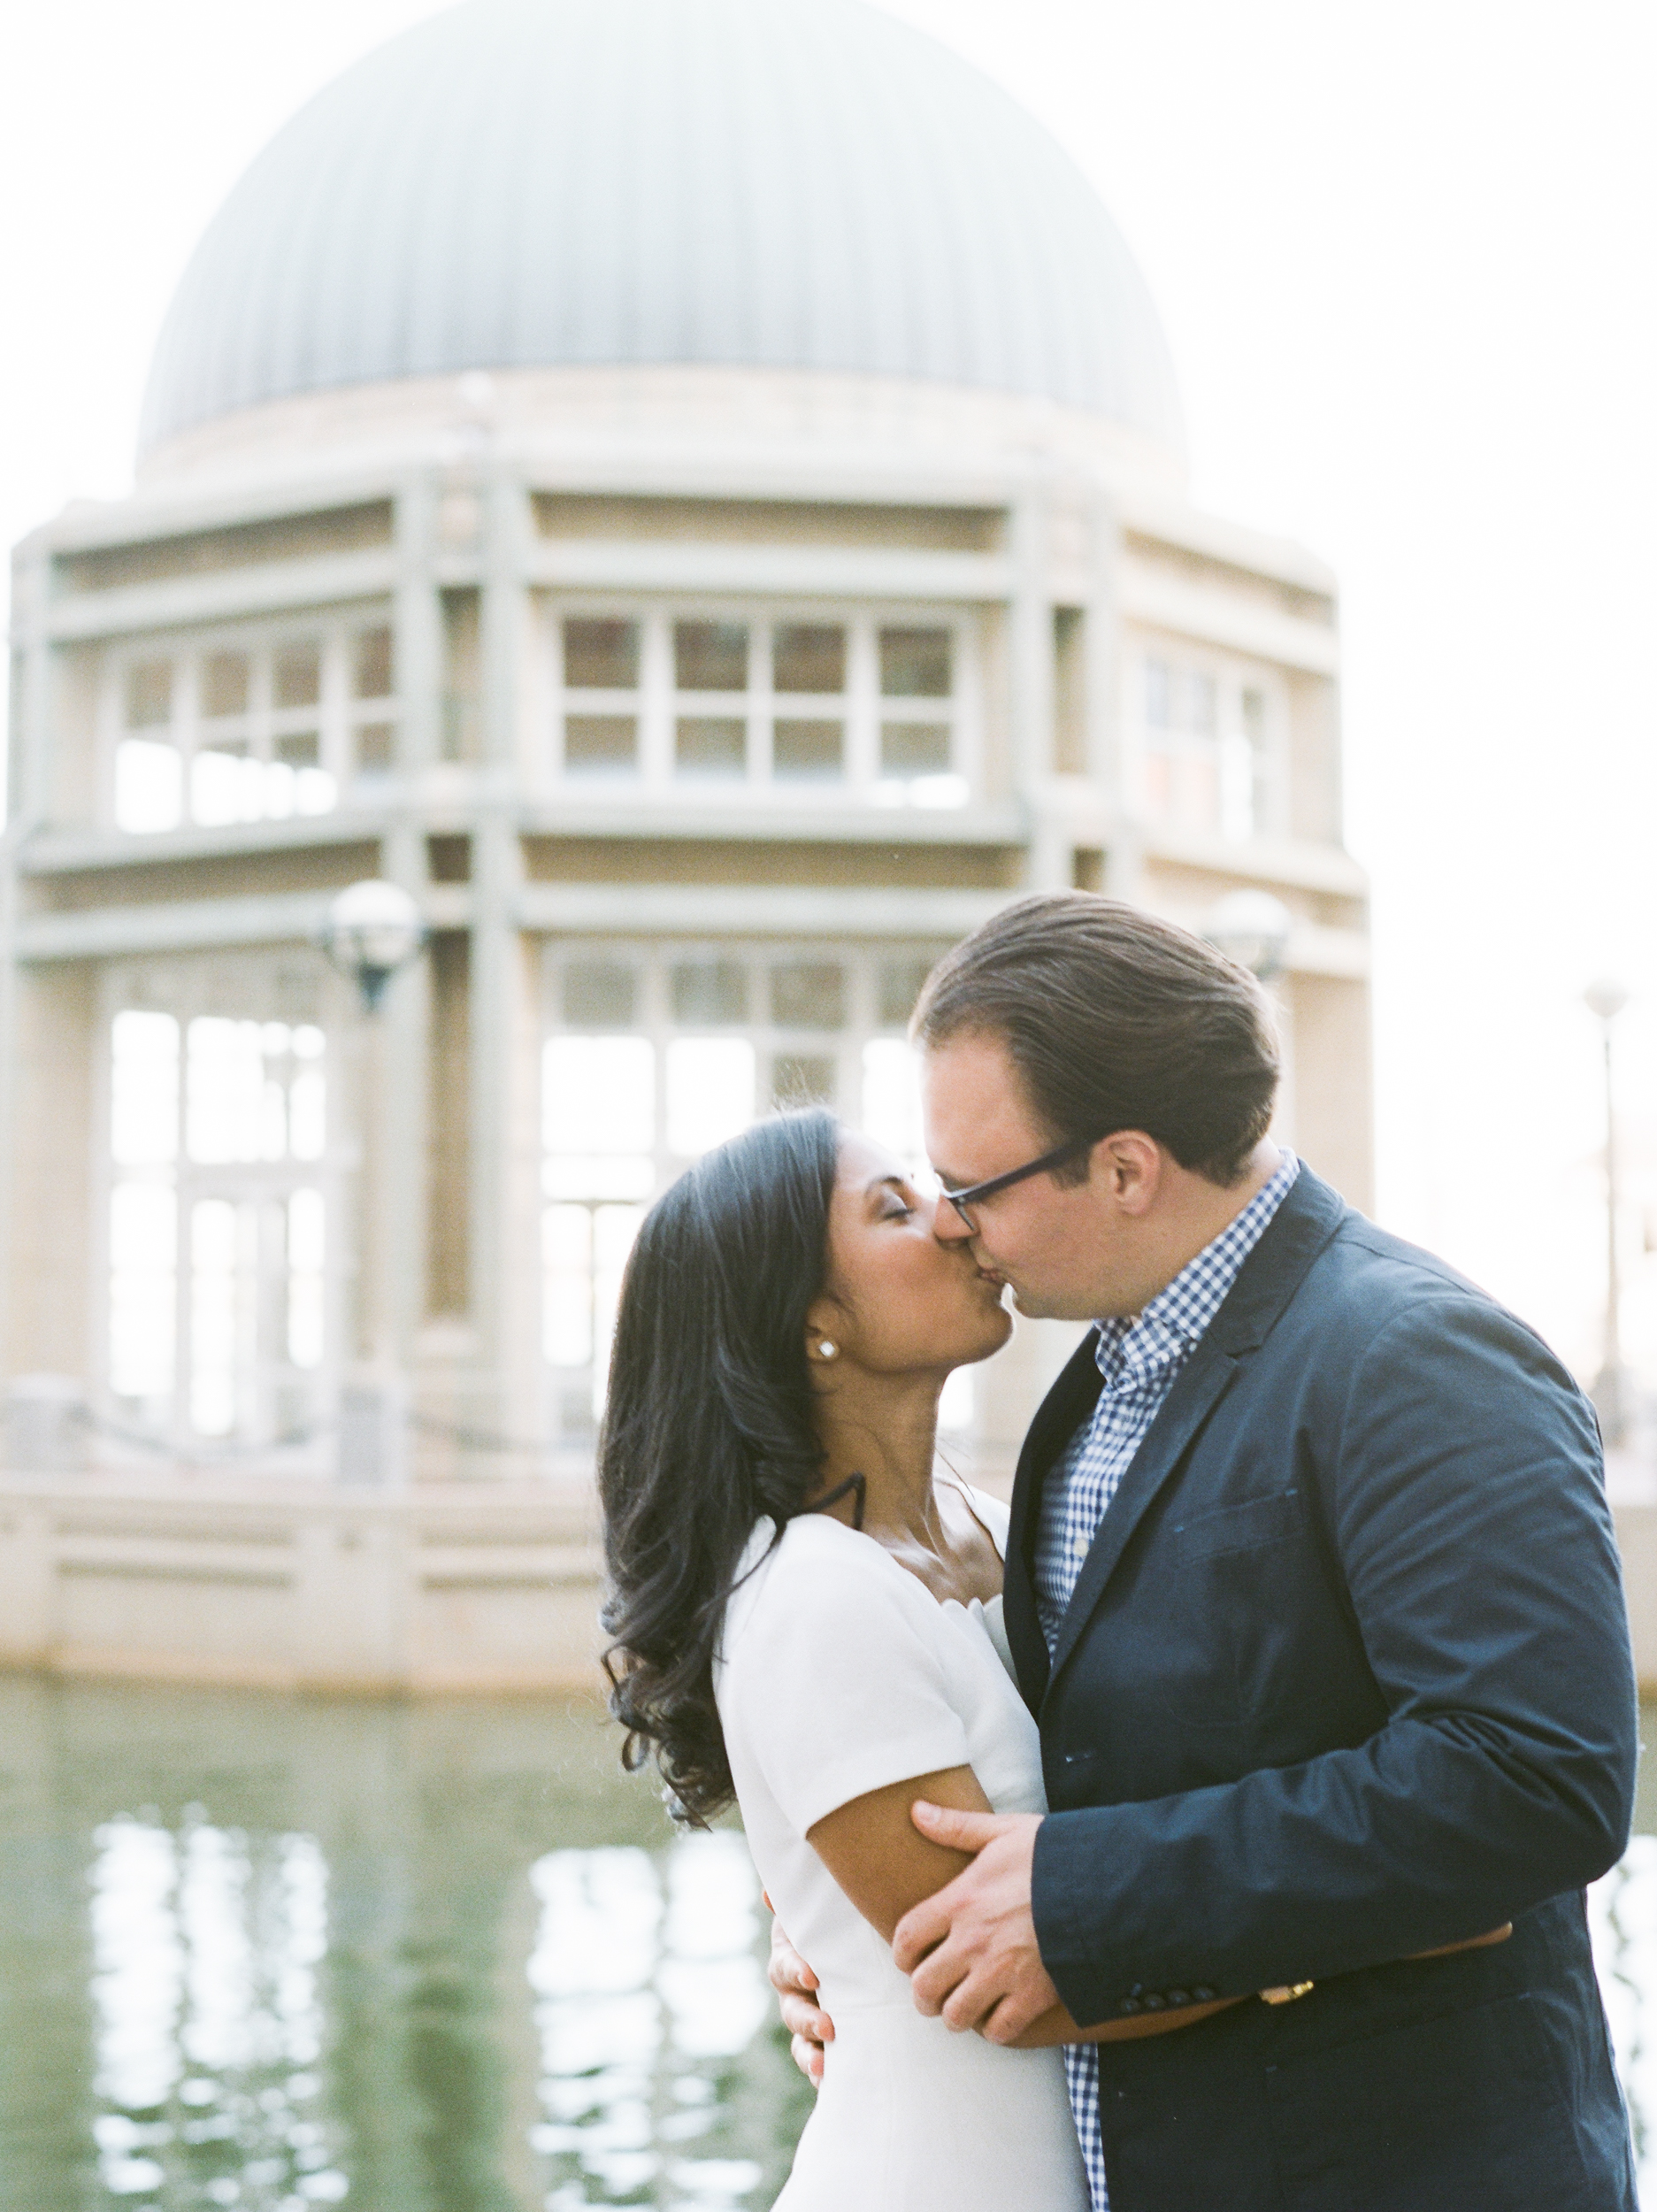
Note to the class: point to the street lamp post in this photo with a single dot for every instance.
(1606, 999)
(372, 930)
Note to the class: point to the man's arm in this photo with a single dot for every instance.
(889, 1858)
(1478, 1554)
(975, 1963)
(973, 1952)
(1461, 1481)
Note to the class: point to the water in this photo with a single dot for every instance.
(274, 1954)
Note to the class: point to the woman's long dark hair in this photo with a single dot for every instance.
(708, 1426)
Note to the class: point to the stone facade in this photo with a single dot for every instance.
(365, 634)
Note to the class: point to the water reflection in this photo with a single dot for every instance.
(650, 1995)
(272, 1955)
(1623, 1914)
(207, 2022)
(269, 1955)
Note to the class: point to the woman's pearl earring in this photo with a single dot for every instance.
(828, 1350)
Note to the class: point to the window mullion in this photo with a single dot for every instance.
(862, 705)
(761, 705)
(655, 698)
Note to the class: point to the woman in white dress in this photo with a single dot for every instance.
(806, 1614)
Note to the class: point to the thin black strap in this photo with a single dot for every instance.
(853, 1482)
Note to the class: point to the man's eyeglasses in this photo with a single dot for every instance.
(962, 1199)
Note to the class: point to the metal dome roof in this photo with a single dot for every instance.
(803, 184)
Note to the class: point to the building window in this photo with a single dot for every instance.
(1209, 746)
(723, 700)
(654, 1054)
(372, 716)
(252, 727)
(219, 1240)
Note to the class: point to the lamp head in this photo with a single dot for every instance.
(372, 930)
(1252, 929)
(1606, 997)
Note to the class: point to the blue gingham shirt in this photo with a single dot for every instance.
(1138, 1356)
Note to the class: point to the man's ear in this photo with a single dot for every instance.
(1132, 1164)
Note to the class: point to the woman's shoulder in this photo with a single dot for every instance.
(813, 1550)
(818, 1571)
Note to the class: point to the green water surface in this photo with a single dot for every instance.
(264, 1951)
(273, 1953)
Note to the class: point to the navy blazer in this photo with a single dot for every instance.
(1345, 1676)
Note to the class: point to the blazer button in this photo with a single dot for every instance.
(1202, 1995)
(1156, 2003)
(1129, 2004)
(1178, 1997)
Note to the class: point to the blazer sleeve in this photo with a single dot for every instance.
(1466, 1504)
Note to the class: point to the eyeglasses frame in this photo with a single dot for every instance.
(974, 1192)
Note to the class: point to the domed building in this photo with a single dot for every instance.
(692, 491)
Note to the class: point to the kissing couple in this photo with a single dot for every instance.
(1245, 1779)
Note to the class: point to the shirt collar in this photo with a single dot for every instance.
(1134, 1347)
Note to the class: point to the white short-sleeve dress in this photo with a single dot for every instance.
(839, 1672)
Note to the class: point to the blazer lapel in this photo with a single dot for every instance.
(1067, 1404)
(1196, 1390)
(1269, 1278)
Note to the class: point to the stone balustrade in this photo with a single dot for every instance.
(302, 1586)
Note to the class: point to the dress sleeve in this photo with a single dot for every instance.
(834, 1686)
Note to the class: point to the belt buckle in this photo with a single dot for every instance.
(1286, 1992)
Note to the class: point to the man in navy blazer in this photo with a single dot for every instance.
(1318, 1605)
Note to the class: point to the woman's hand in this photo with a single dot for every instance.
(809, 2027)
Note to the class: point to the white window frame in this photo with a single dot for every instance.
(337, 717)
(241, 987)
(1251, 784)
(658, 705)
(653, 961)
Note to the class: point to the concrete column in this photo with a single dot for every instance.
(418, 619)
(1031, 636)
(1103, 677)
(29, 793)
(27, 801)
(400, 1237)
(1048, 864)
(51, 1062)
(10, 979)
(502, 1208)
(1109, 765)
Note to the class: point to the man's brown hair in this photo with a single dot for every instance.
(1116, 1020)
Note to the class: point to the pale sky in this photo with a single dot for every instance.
(1404, 259)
